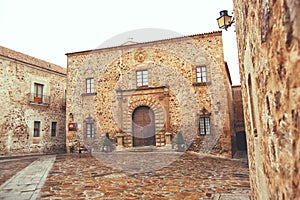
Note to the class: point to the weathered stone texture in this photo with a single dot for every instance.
(172, 93)
(268, 43)
(18, 73)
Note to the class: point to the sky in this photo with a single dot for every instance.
(48, 29)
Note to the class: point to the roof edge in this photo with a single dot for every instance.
(148, 42)
(30, 60)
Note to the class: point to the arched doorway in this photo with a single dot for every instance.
(241, 141)
(143, 127)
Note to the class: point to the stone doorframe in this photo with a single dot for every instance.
(156, 99)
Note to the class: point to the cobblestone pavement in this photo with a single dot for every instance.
(26, 184)
(189, 176)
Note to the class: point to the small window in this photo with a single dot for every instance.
(90, 85)
(53, 129)
(90, 130)
(38, 92)
(142, 78)
(36, 129)
(201, 74)
(204, 125)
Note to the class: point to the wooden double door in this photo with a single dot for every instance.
(143, 130)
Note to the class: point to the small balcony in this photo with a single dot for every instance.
(42, 100)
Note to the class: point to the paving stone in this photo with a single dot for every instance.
(190, 176)
(234, 197)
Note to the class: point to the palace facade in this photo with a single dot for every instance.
(143, 94)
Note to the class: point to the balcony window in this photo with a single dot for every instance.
(38, 92)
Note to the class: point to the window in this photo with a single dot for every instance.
(38, 92)
(204, 125)
(142, 78)
(90, 85)
(90, 130)
(201, 74)
(36, 129)
(53, 129)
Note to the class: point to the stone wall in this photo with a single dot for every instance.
(268, 38)
(173, 90)
(238, 110)
(18, 74)
(238, 114)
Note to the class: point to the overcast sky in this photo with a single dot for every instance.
(48, 29)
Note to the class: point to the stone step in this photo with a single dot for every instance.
(240, 154)
(142, 149)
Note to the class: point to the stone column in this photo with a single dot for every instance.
(168, 136)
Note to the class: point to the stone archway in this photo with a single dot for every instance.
(143, 127)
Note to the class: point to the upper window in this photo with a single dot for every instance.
(53, 129)
(36, 129)
(201, 74)
(90, 85)
(38, 92)
(142, 78)
(90, 130)
(204, 125)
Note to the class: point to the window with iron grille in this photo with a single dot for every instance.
(142, 78)
(90, 130)
(53, 129)
(201, 74)
(90, 88)
(204, 125)
(36, 129)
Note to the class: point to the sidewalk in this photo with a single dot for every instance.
(26, 184)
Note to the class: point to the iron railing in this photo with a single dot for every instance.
(39, 99)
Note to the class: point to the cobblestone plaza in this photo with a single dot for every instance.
(84, 176)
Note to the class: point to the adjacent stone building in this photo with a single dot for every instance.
(143, 94)
(32, 105)
(238, 117)
(268, 36)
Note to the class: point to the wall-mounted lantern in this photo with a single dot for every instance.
(225, 21)
(71, 116)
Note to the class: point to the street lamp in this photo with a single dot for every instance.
(224, 21)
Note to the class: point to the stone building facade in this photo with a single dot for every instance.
(32, 105)
(143, 94)
(268, 37)
(239, 138)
